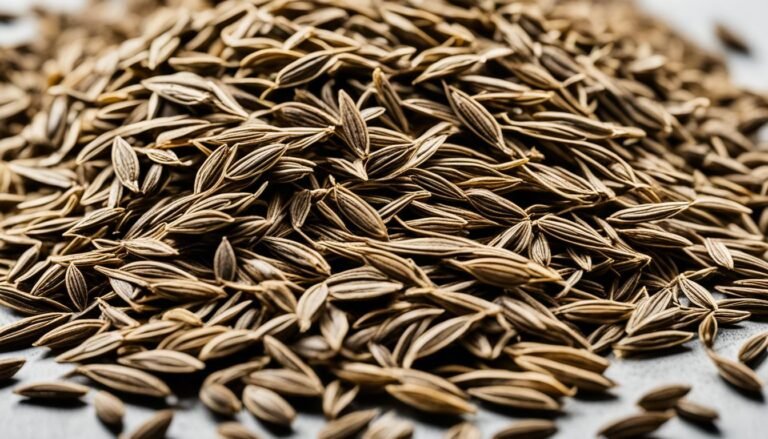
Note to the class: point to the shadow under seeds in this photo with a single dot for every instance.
(11, 382)
(520, 412)
(710, 427)
(66, 404)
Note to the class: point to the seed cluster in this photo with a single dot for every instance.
(452, 203)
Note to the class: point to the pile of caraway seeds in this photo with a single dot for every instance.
(444, 204)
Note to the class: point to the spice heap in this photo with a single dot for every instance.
(454, 203)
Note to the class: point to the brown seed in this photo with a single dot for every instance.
(520, 398)
(736, 373)
(464, 430)
(220, 399)
(109, 408)
(347, 425)
(153, 428)
(51, 390)
(529, 428)
(400, 197)
(663, 397)
(125, 379)
(388, 426)
(731, 39)
(9, 366)
(95, 346)
(429, 400)
(161, 360)
(695, 412)
(235, 430)
(126, 164)
(753, 348)
(336, 399)
(71, 333)
(636, 425)
(268, 406)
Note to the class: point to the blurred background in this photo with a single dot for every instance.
(695, 18)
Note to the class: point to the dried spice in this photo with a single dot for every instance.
(444, 205)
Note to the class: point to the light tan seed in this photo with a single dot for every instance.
(125, 379)
(93, 347)
(268, 405)
(51, 390)
(389, 427)
(161, 360)
(235, 430)
(218, 398)
(310, 305)
(516, 397)
(153, 428)
(125, 163)
(348, 425)
(464, 430)
(109, 408)
(429, 400)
